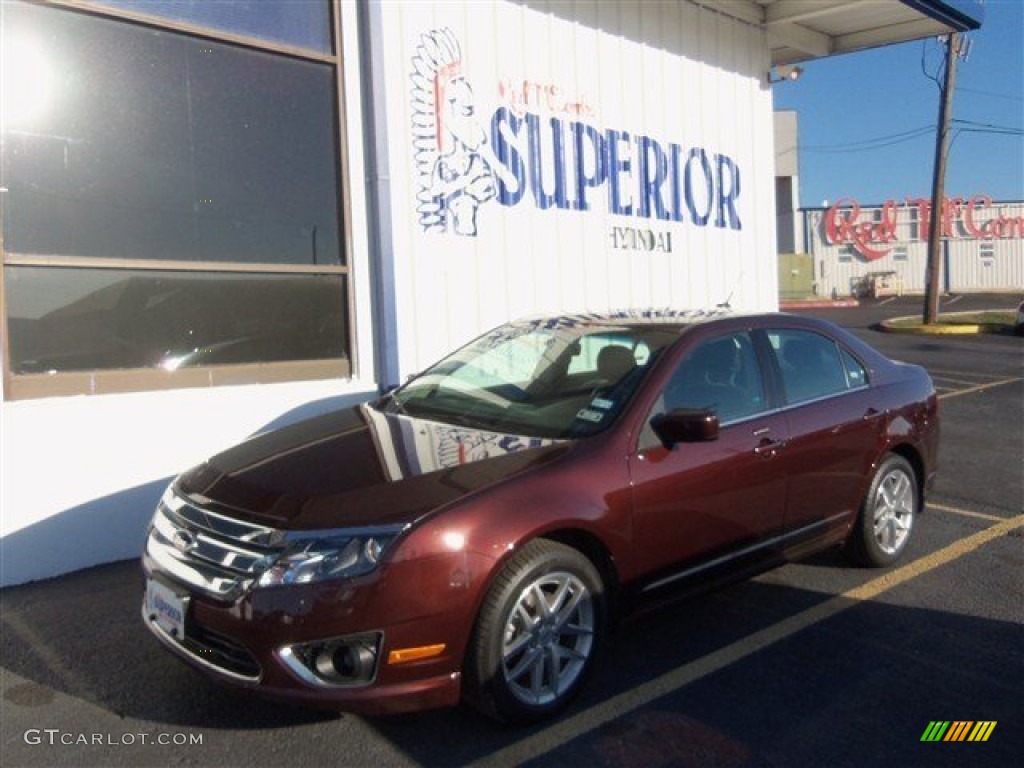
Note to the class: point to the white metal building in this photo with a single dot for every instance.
(220, 217)
(982, 246)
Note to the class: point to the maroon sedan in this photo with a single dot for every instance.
(471, 534)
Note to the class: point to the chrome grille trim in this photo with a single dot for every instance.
(220, 525)
(217, 555)
(194, 657)
(205, 578)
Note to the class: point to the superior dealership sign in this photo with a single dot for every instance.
(640, 175)
(544, 149)
(540, 158)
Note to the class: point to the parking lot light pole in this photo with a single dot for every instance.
(934, 268)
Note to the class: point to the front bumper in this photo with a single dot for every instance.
(246, 643)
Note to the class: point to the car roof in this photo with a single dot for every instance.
(680, 321)
(629, 318)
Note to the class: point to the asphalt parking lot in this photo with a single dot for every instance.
(814, 664)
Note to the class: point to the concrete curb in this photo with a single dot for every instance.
(966, 329)
(818, 303)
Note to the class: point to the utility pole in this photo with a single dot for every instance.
(934, 269)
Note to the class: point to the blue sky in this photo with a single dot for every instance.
(850, 106)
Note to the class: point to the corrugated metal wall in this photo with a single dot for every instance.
(971, 264)
(670, 71)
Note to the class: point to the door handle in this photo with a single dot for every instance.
(769, 448)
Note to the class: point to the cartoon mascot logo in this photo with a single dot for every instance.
(455, 164)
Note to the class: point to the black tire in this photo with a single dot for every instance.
(887, 515)
(538, 632)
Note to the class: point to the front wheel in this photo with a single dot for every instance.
(539, 629)
(887, 516)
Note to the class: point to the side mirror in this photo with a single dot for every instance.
(685, 425)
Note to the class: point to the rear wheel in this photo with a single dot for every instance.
(537, 634)
(887, 516)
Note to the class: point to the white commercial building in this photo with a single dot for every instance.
(856, 247)
(221, 217)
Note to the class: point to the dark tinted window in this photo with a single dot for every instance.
(128, 142)
(80, 320)
(721, 375)
(812, 365)
(302, 23)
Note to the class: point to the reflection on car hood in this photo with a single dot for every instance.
(359, 467)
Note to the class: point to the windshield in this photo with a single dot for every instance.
(545, 379)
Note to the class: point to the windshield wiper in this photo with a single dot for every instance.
(395, 405)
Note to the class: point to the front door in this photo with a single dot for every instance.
(700, 503)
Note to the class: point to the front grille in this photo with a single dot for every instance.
(220, 556)
(215, 555)
(220, 651)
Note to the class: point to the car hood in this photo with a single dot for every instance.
(359, 467)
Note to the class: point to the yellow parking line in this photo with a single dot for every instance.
(965, 512)
(945, 374)
(979, 388)
(563, 731)
(930, 562)
(959, 381)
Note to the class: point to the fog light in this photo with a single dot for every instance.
(341, 661)
(346, 663)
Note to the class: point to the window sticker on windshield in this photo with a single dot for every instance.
(588, 415)
(604, 405)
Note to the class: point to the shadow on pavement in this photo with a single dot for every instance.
(81, 635)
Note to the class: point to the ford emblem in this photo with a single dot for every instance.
(183, 541)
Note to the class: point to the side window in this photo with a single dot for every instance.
(814, 366)
(856, 376)
(721, 375)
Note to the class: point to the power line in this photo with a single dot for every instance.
(880, 142)
(886, 137)
(877, 142)
(995, 128)
(991, 131)
(924, 69)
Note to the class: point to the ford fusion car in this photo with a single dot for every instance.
(470, 535)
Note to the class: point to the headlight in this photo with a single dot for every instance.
(340, 554)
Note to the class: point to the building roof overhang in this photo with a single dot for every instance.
(801, 30)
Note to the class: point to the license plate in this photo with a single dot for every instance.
(167, 608)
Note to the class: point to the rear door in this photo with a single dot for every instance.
(833, 428)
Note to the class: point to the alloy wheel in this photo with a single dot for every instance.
(893, 511)
(548, 638)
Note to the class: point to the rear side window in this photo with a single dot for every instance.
(814, 366)
(856, 376)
